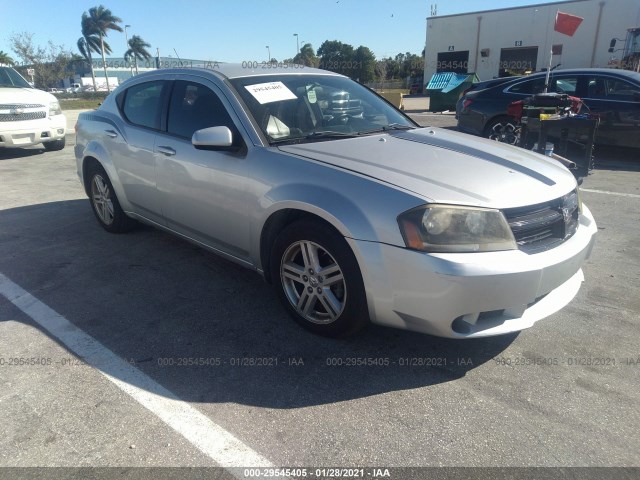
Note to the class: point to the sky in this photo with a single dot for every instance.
(240, 30)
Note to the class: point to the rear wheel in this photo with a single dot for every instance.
(318, 279)
(105, 204)
(503, 129)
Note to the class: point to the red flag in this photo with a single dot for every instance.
(567, 24)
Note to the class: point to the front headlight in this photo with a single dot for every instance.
(450, 228)
(54, 108)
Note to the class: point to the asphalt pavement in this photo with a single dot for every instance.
(142, 350)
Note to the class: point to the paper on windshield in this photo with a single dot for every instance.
(270, 92)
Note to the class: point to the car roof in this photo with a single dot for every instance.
(584, 71)
(245, 69)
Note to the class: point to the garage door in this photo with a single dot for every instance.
(518, 61)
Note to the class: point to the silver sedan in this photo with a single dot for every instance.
(351, 210)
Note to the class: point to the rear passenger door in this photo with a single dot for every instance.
(132, 149)
(203, 192)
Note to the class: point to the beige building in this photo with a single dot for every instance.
(518, 40)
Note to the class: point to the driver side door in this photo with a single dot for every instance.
(203, 192)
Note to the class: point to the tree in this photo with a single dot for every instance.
(5, 58)
(306, 56)
(137, 51)
(49, 63)
(337, 57)
(364, 65)
(89, 42)
(100, 20)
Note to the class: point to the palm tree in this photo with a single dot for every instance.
(5, 58)
(100, 20)
(89, 42)
(137, 51)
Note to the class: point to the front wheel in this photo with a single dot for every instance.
(504, 130)
(318, 279)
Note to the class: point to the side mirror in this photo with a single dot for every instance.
(213, 138)
(612, 43)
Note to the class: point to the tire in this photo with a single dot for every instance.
(55, 145)
(104, 202)
(318, 280)
(503, 129)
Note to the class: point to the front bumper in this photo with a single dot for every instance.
(469, 295)
(32, 132)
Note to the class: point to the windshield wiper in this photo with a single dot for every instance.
(330, 134)
(319, 135)
(388, 128)
(397, 126)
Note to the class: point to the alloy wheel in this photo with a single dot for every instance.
(313, 282)
(101, 197)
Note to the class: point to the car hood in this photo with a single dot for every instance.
(447, 167)
(25, 95)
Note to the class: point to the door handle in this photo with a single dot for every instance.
(111, 133)
(168, 151)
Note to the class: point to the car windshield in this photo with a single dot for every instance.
(10, 78)
(308, 107)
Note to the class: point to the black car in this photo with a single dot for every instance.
(614, 95)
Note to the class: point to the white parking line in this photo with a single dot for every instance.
(213, 440)
(605, 192)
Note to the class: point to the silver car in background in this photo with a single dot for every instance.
(345, 205)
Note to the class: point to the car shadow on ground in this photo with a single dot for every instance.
(617, 158)
(157, 301)
(13, 153)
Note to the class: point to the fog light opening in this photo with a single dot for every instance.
(460, 326)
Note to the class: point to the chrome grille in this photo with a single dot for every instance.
(540, 227)
(13, 106)
(18, 117)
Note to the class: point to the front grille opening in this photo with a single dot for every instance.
(19, 117)
(541, 227)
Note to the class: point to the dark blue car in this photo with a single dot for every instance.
(614, 95)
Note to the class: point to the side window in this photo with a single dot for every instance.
(566, 85)
(194, 107)
(620, 89)
(606, 88)
(596, 88)
(529, 87)
(142, 104)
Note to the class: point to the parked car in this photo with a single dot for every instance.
(353, 215)
(487, 84)
(28, 116)
(612, 94)
(74, 88)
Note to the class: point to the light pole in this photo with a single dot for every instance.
(297, 43)
(126, 37)
(268, 54)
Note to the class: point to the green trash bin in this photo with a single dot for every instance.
(446, 87)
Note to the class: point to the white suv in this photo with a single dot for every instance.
(28, 116)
